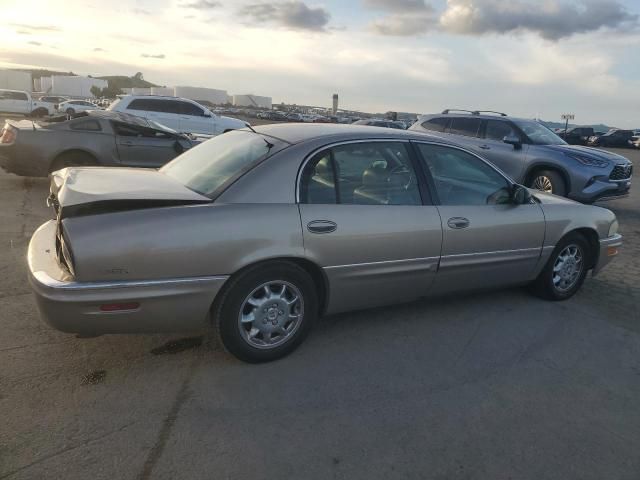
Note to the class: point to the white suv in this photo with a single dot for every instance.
(180, 114)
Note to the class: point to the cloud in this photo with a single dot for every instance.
(98, 49)
(293, 14)
(552, 19)
(201, 4)
(397, 5)
(150, 55)
(141, 11)
(33, 42)
(40, 28)
(409, 17)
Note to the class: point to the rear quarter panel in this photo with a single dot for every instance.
(179, 242)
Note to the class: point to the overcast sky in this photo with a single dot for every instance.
(525, 57)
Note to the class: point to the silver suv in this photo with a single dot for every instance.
(533, 155)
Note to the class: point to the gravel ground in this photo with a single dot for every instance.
(496, 385)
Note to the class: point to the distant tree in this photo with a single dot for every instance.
(96, 91)
(138, 76)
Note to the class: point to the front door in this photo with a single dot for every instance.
(488, 240)
(509, 159)
(364, 222)
(144, 147)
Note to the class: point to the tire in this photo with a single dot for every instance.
(39, 112)
(72, 159)
(70, 111)
(255, 329)
(549, 181)
(547, 285)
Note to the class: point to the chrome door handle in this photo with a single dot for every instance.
(485, 147)
(458, 223)
(322, 226)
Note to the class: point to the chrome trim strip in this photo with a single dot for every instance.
(519, 250)
(613, 241)
(44, 279)
(385, 262)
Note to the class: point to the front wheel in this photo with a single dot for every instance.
(548, 181)
(70, 111)
(566, 269)
(266, 311)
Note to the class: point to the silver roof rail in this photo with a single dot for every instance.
(478, 112)
(450, 110)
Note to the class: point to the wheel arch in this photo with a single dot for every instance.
(592, 238)
(314, 270)
(537, 166)
(69, 151)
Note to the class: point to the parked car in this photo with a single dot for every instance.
(613, 138)
(259, 232)
(576, 135)
(179, 114)
(374, 122)
(635, 141)
(71, 107)
(20, 102)
(294, 117)
(94, 138)
(54, 99)
(533, 155)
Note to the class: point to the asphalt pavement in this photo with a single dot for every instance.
(496, 385)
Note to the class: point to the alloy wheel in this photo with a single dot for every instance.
(567, 268)
(542, 182)
(271, 314)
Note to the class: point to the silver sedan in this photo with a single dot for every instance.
(260, 232)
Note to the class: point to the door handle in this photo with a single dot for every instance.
(485, 147)
(322, 226)
(458, 223)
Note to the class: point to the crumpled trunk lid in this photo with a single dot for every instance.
(96, 190)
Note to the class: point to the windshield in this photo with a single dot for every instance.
(212, 164)
(538, 133)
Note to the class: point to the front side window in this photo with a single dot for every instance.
(368, 173)
(187, 108)
(86, 125)
(463, 179)
(210, 166)
(20, 96)
(497, 130)
(538, 134)
(465, 126)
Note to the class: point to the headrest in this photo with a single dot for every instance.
(374, 175)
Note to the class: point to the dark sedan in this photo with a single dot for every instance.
(613, 138)
(94, 138)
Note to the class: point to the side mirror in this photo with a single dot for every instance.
(513, 140)
(520, 195)
(207, 114)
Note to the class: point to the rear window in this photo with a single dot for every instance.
(86, 125)
(212, 165)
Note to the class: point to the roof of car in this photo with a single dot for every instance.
(300, 132)
(482, 116)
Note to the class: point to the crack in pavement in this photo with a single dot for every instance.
(167, 425)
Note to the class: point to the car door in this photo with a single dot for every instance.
(488, 240)
(365, 222)
(193, 120)
(144, 147)
(6, 102)
(491, 146)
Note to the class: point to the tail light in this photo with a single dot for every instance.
(8, 134)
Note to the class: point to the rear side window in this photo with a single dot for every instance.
(13, 95)
(465, 126)
(497, 130)
(154, 105)
(436, 124)
(376, 173)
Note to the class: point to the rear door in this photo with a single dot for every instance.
(365, 223)
(487, 240)
(144, 147)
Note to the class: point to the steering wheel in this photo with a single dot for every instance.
(402, 169)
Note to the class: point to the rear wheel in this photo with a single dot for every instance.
(566, 269)
(39, 112)
(72, 159)
(548, 181)
(265, 312)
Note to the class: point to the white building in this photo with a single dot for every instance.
(137, 91)
(14, 80)
(252, 101)
(216, 97)
(164, 91)
(74, 86)
(45, 84)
